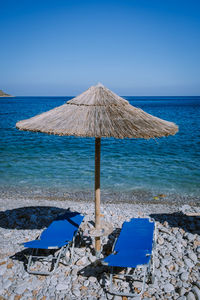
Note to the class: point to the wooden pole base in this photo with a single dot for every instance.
(97, 245)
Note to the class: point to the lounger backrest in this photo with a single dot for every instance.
(63, 228)
(136, 234)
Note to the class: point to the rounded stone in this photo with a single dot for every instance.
(82, 261)
(61, 287)
(76, 292)
(191, 296)
(182, 291)
(6, 284)
(174, 254)
(168, 288)
(92, 258)
(2, 270)
(86, 283)
(21, 288)
(92, 279)
(184, 276)
(193, 257)
(196, 292)
(189, 263)
(117, 297)
(166, 261)
(160, 240)
(190, 237)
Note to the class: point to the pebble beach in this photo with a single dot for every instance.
(177, 252)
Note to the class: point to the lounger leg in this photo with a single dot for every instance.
(152, 261)
(70, 247)
(29, 263)
(43, 258)
(115, 292)
(153, 253)
(64, 260)
(111, 281)
(57, 261)
(30, 260)
(144, 281)
(153, 269)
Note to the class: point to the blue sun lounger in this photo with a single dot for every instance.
(132, 249)
(60, 235)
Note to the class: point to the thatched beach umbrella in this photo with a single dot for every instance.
(98, 113)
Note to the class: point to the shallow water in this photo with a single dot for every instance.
(41, 164)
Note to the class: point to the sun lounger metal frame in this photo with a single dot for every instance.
(147, 270)
(53, 259)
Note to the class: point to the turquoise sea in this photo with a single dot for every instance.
(40, 165)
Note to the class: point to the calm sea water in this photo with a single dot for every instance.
(38, 163)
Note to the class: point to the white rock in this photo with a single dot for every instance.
(117, 297)
(166, 261)
(179, 248)
(92, 258)
(82, 261)
(21, 288)
(74, 270)
(137, 284)
(61, 286)
(2, 269)
(168, 288)
(196, 292)
(7, 284)
(92, 279)
(109, 296)
(191, 296)
(182, 291)
(184, 276)
(192, 256)
(76, 292)
(160, 240)
(86, 283)
(189, 263)
(190, 237)
(80, 251)
(185, 208)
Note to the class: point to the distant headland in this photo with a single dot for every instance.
(2, 94)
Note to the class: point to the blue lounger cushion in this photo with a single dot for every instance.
(128, 259)
(59, 233)
(134, 244)
(40, 244)
(137, 234)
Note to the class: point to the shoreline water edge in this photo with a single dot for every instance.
(135, 197)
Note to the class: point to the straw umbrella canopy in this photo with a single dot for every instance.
(98, 112)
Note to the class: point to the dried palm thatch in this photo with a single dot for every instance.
(98, 112)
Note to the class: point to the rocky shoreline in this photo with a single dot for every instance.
(2, 94)
(137, 196)
(177, 255)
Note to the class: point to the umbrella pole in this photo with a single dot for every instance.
(97, 193)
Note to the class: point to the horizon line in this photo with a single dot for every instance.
(12, 96)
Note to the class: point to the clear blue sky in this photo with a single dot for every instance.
(135, 47)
